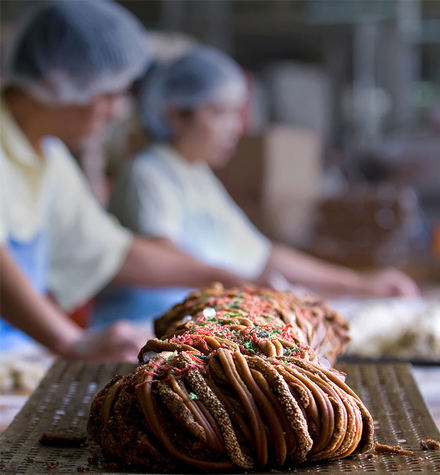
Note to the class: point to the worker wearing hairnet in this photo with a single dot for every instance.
(65, 71)
(192, 109)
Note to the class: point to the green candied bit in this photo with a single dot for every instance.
(234, 305)
(297, 350)
(248, 345)
(170, 358)
(193, 395)
(275, 332)
(201, 324)
(285, 362)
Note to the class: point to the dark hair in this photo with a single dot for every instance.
(185, 113)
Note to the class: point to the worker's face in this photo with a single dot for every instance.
(213, 131)
(77, 123)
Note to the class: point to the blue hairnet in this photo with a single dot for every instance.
(70, 51)
(205, 75)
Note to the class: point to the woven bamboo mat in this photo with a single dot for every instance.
(61, 404)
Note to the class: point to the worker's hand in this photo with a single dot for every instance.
(120, 342)
(389, 282)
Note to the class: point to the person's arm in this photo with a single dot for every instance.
(90, 250)
(42, 320)
(157, 262)
(300, 268)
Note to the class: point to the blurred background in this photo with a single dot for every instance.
(341, 155)
(342, 151)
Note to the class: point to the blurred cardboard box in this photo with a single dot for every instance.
(369, 227)
(275, 178)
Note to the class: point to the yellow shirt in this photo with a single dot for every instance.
(160, 194)
(50, 193)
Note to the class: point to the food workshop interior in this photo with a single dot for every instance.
(220, 236)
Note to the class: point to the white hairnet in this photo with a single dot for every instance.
(70, 51)
(205, 75)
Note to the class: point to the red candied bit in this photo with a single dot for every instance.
(193, 356)
(184, 339)
(149, 372)
(136, 388)
(51, 465)
(188, 367)
(153, 363)
(205, 331)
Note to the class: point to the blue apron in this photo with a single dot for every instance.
(138, 305)
(33, 259)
